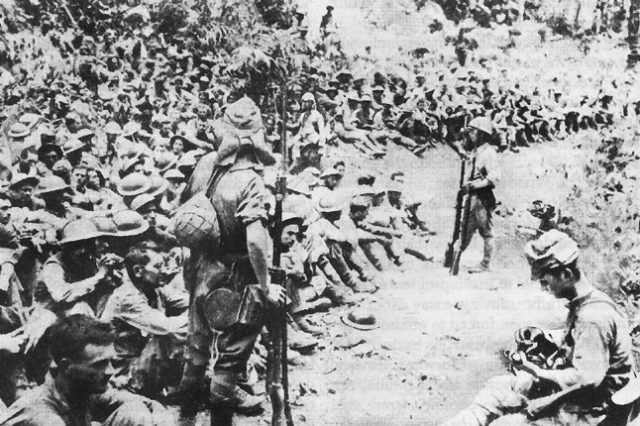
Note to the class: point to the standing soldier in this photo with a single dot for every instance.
(486, 174)
(217, 278)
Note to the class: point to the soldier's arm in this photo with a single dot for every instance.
(589, 363)
(258, 245)
(493, 175)
(52, 276)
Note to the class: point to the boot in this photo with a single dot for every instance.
(299, 341)
(486, 258)
(190, 392)
(227, 396)
(307, 327)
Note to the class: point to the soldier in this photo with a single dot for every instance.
(597, 358)
(238, 198)
(150, 318)
(72, 281)
(75, 391)
(484, 179)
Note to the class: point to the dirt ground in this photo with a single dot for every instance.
(439, 337)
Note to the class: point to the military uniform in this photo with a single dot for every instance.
(239, 201)
(597, 347)
(483, 201)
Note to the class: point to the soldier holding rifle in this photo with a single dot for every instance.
(484, 177)
(221, 279)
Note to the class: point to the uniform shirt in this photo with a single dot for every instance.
(239, 201)
(597, 344)
(45, 406)
(58, 288)
(487, 166)
(135, 316)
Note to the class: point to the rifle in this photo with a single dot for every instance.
(463, 225)
(448, 256)
(277, 373)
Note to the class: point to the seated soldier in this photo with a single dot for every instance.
(73, 281)
(150, 318)
(593, 360)
(304, 286)
(341, 251)
(75, 391)
(377, 248)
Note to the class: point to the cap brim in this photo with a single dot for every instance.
(362, 327)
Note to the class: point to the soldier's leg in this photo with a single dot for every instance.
(500, 396)
(122, 408)
(472, 226)
(377, 255)
(230, 351)
(485, 229)
(336, 291)
(339, 263)
(197, 354)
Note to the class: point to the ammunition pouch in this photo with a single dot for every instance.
(224, 307)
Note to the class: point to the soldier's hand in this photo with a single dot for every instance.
(275, 295)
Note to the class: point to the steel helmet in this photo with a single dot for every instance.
(50, 184)
(130, 223)
(308, 97)
(141, 201)
(134, 184)
(483, 124)
(551, 250)
(105, 226)
(79, 230)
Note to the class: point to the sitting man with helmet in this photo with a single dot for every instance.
(74, 281)
(572, 377)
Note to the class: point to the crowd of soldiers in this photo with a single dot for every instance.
(101, 153)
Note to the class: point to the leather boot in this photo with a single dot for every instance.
(227, 396)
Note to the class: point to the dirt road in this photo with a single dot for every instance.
(440, 337)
